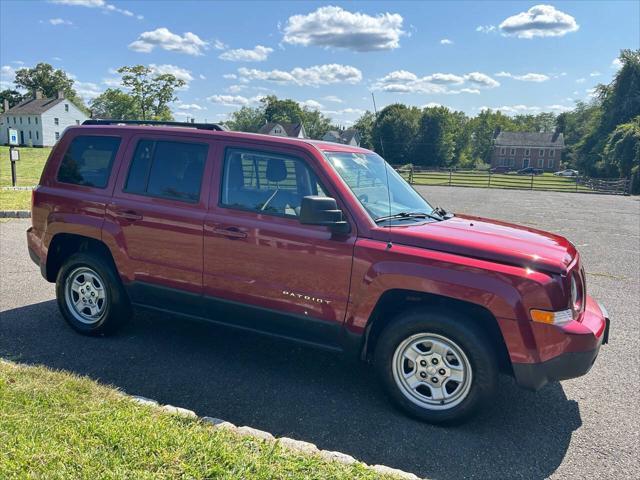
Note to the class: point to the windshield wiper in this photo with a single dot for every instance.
(407, 215)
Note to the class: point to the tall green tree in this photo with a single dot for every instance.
(435, 145)
(49, 81)
(364, 125)
(247, 119)
(14, 97)
(394, 132)
(152, 91)
(116, 104)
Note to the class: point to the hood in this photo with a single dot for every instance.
(490, 240)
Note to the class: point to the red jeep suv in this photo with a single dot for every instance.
(312, 241)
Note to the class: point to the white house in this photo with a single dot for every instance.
(350, 136)
(284, 129)
(40, 121)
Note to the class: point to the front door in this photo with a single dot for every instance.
(158, 210)
(257, 253)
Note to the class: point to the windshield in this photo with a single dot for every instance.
(365, 175)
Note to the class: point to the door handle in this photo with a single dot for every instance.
(129, 215)
(231, 232)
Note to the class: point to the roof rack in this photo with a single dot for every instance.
(157, 123)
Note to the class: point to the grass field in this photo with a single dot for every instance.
(28, 171)
(58, 425)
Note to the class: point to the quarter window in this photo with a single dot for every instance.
(171, 170)
(88, 161)
(267, 183)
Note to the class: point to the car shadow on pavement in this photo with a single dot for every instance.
(302, 393)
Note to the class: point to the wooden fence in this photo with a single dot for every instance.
(486, 179)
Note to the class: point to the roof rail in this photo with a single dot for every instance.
(157, 123)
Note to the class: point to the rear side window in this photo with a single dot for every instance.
(171, 170)
(88, 161)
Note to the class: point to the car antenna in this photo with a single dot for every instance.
(386, 172)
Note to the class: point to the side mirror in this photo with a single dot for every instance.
(317, 210)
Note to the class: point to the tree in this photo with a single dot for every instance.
(114, 103)
(622, 149)
(247, 119)
(152, 92)
(483, 129)
(394, 132)
(364, 125)
(14, 97)
(286, 111)
(49, 81)
(435, 144)
(315, 123)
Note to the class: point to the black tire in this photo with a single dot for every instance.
(115, 309)
(454, 327)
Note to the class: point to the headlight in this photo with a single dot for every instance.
(552, 318)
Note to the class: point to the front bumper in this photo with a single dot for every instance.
(592, 331)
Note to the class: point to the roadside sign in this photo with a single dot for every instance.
(14, 154)
(13, 136)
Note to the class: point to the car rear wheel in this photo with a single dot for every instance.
(90, 295)
(436, 365)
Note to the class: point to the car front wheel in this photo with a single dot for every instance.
(436, 365)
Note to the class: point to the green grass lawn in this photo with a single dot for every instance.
(28, 169)
(57, 425)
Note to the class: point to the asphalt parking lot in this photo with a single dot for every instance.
(583, 428)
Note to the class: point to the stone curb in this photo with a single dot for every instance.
(15, 214)
(298, 446)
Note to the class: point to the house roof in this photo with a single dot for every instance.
(292, 129)
(530, 139)
(34, 106)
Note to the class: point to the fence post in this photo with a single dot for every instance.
(450, 177)
(411, 174)
(576, 180)
(532, 181)
(489, 184)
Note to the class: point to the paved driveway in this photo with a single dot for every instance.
(583, 428)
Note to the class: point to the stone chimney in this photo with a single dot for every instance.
(38, 95)
(60, 94)
(5, 105)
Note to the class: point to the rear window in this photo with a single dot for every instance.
(88, 161)
(171, 170)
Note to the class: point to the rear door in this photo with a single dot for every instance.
(256, 252)
(158, 211)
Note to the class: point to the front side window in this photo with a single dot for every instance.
(171, 170)
(88, 161)
(267, 182)
(366, 175)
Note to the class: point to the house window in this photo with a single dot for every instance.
(29, 120)
(37, 135)
(552, 153)
(66, 107)
(525, 163)
(540, 162)
(29, 134)
(36, 119)
(550, 163)
(20, 120)
(56, 121)
(77, 122)
(527, 152)
(513, 151)
(14, 120)
(277, 130)
(503, 151)
(541, 152)
(512, 162)
(57, 135)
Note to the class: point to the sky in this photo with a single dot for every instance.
(520, 57)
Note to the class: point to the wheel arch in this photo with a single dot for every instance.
(63, 245)
(386, 309)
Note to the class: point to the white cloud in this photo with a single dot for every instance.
(189, 106)
(188, 43)
(112, 82)
(257, 54)
(581, 80)
(7, 73)
(486, 28)
(616, 63)
(218, 45)
(332, 26)
(527, 77)
(236, 88)
(179, 73)
(230, 76)
(234, 100)
(481, 80)
(99, 4)
(591, 92)
(402, 81)
(446, 41)
(310, 76)
(521, 109)
(312, 104)
(595, 74)
(87, 90)
(202, 77)
(539, 21)
(332, 98)
(60, 21)
(432, 105)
